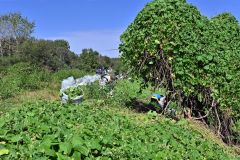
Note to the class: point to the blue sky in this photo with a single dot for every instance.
(95, 24)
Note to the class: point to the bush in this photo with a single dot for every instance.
(65, 73)
(126, 90)
(171, 45)
(10, 60)
(95, 91)
(21, 77)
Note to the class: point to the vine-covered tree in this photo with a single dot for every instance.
(171, 45)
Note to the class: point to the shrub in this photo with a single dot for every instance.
(125, 91)
(65, 73)
(171, 45)
(20, 77)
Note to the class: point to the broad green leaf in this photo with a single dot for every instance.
(2, 122)
(77, 141)
(4, 151)
(16, 138)
(206, 67)
(151, 62)
(65, 147)
(62, 157)
(157, 42)
(76, 156)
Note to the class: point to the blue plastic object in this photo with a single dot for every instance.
(156, 96)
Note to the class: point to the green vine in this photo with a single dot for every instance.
(171, 45)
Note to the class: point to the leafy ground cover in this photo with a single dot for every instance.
(49, 130)
(35, 126)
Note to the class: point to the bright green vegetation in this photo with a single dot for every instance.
(171, 45)
(73, 92)
(47, 130)
(21, 77)
(193, 58)
(101, 127)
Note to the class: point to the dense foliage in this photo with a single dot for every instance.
(90, 60)
(176, 54)
(14, 29)
(18, 45)
(46, 130)
(54, 55)
(170, 44)
(21, 77)
(74, 92)
(25, 77)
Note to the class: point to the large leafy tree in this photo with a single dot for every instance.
(14, 29)
(53, 55)
(171, 45)
(89, 60)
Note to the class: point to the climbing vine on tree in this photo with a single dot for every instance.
(171, 45)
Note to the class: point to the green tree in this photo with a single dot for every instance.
(14, 29)
(88, 60)
(62, 43)
(105, 61)
(171, 45)
(53, 55)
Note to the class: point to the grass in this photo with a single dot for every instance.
(206, 132)
(50, 94)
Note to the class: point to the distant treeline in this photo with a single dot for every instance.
(18, 45)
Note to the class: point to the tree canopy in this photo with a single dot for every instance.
(171, 45)
(14, 29)
(53, 55)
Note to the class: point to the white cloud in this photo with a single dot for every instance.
(104, 41)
